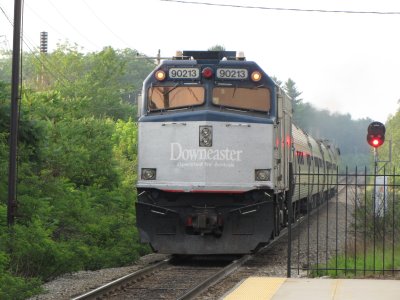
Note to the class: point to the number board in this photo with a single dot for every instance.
(184, 73)
(228, 73)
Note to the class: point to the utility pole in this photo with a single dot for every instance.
(158, 58)
(12, 174)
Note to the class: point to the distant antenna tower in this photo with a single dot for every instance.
(43, 42)
(43, 50)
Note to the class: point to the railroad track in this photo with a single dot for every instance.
(163, 280)
(177, 277)
(173, 278)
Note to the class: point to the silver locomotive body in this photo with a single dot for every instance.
(229, 165)
(215, 156)
(205, 200)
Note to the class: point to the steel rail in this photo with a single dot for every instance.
(109, 287)
(229, 269)
(214, 279)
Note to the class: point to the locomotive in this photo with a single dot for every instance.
(218, 155)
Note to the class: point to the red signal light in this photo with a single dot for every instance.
(376, 134)
(376, 142)
(207, 73)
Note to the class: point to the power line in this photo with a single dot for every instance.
(60, 77)
(286, 9)
(45, 22)
(79, 32)
(7, 17)
(104, 24)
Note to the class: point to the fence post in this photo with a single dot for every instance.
(290, 218)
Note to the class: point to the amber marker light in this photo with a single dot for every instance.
(160, 75)
(256, 76)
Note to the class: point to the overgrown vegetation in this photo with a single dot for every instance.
(76, 169)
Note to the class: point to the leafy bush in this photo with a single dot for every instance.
(76, 168)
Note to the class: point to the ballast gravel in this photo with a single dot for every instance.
(72, 285)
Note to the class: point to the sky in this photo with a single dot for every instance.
(343, 62)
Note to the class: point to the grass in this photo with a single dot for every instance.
(374, 264)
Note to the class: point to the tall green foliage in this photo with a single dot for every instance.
(292, 91)
(76, 168)
(392, 134)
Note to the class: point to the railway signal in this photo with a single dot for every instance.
(376, 134)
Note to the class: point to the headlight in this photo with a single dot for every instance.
(149, 174)
(263, 174)
(160, 75)
(256, 76)
(205, 136)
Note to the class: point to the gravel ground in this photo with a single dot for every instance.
(71, 285)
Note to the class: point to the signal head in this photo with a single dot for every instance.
(376, 134)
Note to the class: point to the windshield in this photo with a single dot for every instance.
(258, 99)
(170, 97)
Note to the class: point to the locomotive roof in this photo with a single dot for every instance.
(214, 55)
(208, 56)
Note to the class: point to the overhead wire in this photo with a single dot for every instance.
(7, 17)
(72, 26)
(104, 24)
(25, 41)
(44, 21)
(47, 64)
(43, 60)
(11, 23)
(285, 9)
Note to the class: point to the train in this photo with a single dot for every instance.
(219, 158)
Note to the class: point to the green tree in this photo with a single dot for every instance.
(216, 48)
(291, 89)
(76, 166)
(276, 80)
(392, 133)
(106, 82)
